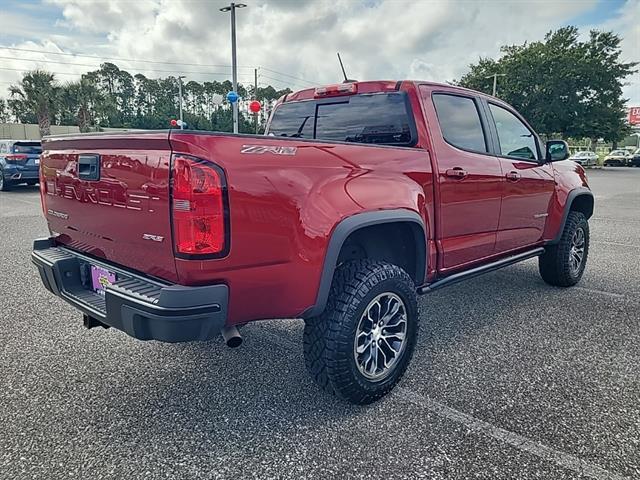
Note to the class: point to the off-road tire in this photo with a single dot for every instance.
(329, 337)
(554, 264)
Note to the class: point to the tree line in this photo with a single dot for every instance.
(111, 97)
(563, 85)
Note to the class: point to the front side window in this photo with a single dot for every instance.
(460, 122)
(380, 118)
(516, 140)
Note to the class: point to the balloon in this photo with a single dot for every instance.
(232, 97)
(255, 106)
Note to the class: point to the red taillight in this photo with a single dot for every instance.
(198, 207)
(43, 192)
(15, 158)
(335, 90)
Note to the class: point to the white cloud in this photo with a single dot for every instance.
(390, 39)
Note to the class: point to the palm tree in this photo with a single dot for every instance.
(38, 94)
(81, 100)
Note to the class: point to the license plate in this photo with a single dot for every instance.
(100, 278)
(37, 161)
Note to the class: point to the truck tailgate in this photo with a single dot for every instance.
(108, 195)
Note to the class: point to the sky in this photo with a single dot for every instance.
(293, 43)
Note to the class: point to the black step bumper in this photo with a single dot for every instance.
(142, 307)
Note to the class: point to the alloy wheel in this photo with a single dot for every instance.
(381, 336)
(576, 254)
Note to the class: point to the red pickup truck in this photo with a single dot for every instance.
(360, 197)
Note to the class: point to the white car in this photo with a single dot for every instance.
(585, 158)
(618, 158)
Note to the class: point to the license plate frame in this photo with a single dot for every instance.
(101, 278)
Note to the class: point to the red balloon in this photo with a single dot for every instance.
(174, 122)
(255, 106)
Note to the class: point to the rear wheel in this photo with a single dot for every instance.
(4, 185)
(563, 264)
(361, 345)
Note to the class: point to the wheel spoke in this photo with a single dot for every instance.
(363, 348)
(391, 312)
(400, 320)
(399, 336)
(386, 341)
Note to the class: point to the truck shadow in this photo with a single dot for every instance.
(261, 391)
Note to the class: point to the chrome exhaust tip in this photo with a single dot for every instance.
(231, 337)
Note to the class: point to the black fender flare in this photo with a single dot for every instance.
(355, 222)
(573, 195)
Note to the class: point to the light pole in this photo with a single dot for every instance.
(232, 8)
(180, 99)
(495, 80)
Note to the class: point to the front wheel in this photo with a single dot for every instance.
(361, 345)
(563, 264)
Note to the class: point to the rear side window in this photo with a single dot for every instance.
(383, 119)
(459, 121)
(294, 120)
(32, 148)
(516, 140)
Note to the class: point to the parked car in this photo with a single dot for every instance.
(585, 158)
(360, 197)
(635, 160)
(617, 158)
(19, 162)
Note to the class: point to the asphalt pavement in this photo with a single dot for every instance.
(512, 379)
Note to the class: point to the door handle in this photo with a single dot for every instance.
(513, 176)
(456, 172)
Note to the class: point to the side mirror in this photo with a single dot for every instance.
(557, 150)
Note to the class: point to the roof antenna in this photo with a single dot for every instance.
(346, 80)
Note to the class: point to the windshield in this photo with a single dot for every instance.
(30, 148)
(381, 118)
(618, 152)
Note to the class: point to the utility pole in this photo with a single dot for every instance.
(180, 99)
(232, 8)
(255, 92)
(495, 80)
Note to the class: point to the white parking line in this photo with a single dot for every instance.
(562, 459)
(604, 242)
(601, 292)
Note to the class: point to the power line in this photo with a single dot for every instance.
(98, 66)
(150, 61)
(287, 75)
(286, 82)
(118, 58)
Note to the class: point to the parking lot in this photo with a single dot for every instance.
(511, 379)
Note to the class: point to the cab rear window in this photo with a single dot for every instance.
(380, 118)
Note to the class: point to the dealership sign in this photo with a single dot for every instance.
(634, 116)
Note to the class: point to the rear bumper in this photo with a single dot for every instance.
(18, 173)
(143, 308)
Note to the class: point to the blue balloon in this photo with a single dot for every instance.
(232, 97)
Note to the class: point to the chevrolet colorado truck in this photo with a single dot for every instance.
(360, 197)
